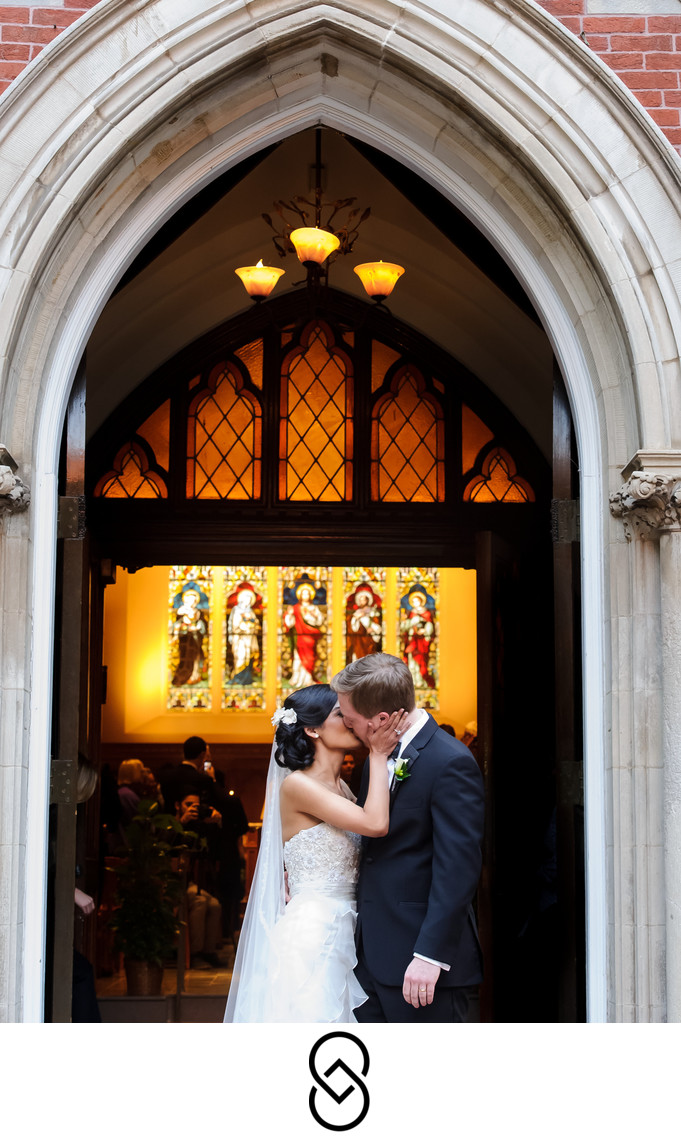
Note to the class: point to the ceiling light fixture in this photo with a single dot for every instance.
(316, 246)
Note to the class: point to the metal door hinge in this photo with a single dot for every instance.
(71, 517)
(564, 520)
(63, 782)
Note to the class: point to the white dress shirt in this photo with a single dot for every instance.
(411, 733)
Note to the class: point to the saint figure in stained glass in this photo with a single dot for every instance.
(191, 607)
(304, 622)
(417, 631)
(364, 623)
(243, 628)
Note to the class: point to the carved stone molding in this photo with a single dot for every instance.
(15, 495)
(648, 504)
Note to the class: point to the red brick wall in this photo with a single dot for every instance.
(645, 51)
(25, 31)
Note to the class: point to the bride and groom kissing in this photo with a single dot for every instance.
(361, 911)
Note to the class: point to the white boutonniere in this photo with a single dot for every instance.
(402, 770)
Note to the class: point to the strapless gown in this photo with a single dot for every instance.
(313, 945)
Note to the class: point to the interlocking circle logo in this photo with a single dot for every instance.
(347, 1111)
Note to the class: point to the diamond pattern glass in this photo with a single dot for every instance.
(316, 427)
(131, 477)
(498, 481)
(224, 439)
(407, 445)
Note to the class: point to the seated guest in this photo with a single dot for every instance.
(204, 911)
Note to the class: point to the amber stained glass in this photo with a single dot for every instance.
(130, 476)
(316, 427)
(224, 439)
(407, 443)
(498, 481)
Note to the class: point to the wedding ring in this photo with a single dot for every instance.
(423, 989)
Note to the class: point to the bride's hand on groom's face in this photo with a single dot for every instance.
(385, 738)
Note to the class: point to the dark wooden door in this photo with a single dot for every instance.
(69, 709)
(74, 828)
(515, 751)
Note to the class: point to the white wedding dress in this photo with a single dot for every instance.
(313, 945)
(295, 961)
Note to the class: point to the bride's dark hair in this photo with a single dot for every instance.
(312, 706)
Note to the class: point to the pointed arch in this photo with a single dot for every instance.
(498, 107)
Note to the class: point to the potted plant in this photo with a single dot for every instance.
(149, 890)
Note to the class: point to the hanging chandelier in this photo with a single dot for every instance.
(333, 234)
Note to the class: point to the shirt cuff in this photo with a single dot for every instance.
(429, 960)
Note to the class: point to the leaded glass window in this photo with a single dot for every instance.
(316, 440)
(131, 476)
(498, 481)
(407, 442)
(224, 439)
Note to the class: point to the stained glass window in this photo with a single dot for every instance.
(131, 476)
(243, 687)
(364, 595)
(407, 443)
(498, 481)
(189, 637)
(316, 409)
(304, 627)
(418, 631)
(224, 439)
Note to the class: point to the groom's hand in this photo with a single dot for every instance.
(419, 982)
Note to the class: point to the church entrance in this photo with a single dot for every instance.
(317, 462)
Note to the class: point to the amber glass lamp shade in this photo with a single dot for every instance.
(314, 244)
(379, 277)
(259, 280)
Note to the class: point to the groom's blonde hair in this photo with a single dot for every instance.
(378, 682)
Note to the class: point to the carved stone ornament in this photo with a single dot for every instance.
(648, 504)
(15, 495)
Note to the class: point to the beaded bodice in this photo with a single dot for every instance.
(322, 858)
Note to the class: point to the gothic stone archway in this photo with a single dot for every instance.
(515, 122)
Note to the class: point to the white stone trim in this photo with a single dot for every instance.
(115, 124)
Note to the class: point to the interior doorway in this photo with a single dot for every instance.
(196, 462)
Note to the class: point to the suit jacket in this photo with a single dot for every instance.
(416, 884)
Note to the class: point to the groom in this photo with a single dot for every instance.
(417, 945)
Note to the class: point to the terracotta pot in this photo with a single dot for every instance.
(144, 978)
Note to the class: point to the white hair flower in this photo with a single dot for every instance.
(284, 715)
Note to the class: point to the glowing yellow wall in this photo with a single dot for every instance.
(135, 654)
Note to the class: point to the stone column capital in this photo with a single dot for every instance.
(649, 504)
(15, 495)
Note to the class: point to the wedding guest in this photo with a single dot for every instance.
(130, 775)
(204, 911)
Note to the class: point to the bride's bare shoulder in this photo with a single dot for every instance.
(291, 784)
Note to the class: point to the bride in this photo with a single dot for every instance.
(296, 956)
